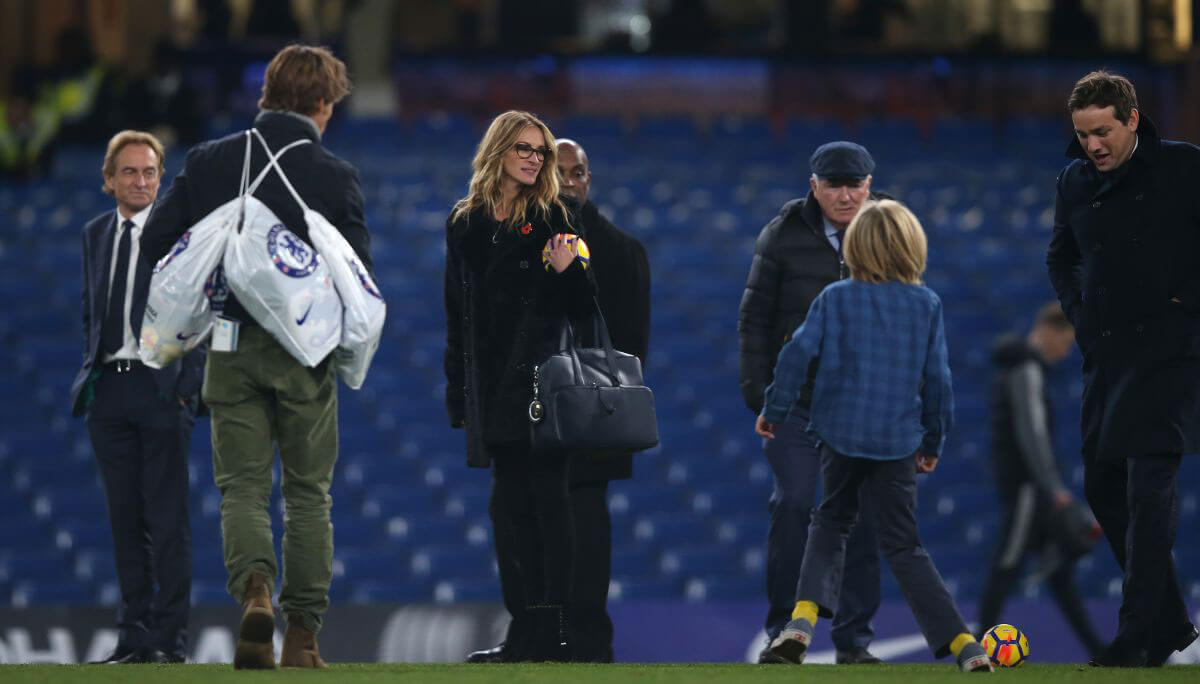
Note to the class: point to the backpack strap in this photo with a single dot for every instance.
(244, 182)
(245, 168)
(273, 163)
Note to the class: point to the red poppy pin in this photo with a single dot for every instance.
(526, 229)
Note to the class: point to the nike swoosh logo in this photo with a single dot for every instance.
(300, 321)
(184, 338)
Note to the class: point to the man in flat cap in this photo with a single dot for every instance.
(797, 254)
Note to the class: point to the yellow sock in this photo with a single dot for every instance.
(806, 610)
(960, 642)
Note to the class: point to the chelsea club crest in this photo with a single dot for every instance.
(291, 255)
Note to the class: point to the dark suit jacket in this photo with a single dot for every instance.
(212, 173)
(180, 379)
(622, 273)
(1125, 262)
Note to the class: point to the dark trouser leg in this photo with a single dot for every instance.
(531, 491)
(1151, 590)
(825, 553)
(796, 464)
(552, 509)
(504, 513)
(593, 565)
(892, 486)
(860, 595)
(116, 443)
(165, 428)
(1062, 584)
(1009, 557)
(1107, 488)
(1104, 487)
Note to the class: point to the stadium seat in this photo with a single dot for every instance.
(410, 519)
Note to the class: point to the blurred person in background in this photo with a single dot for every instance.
(139, 419)
(504, 312)
(797, 254)
(622, 272)
(1124, 260)
(259, 395)
(28, 126)
(1027, 473)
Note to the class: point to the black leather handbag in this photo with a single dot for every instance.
(591, 398)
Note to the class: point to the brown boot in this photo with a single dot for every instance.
(300, 647)
(255, 647)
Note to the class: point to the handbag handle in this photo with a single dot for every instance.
(566, 343)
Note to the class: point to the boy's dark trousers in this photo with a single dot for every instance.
(892, 488)
(795, 461)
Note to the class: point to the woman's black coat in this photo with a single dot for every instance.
(503, 315)
(1125, 262)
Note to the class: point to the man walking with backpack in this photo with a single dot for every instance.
(258, 394)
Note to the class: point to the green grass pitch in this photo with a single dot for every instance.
(578, 674)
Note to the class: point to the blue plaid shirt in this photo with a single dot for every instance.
(882, 387)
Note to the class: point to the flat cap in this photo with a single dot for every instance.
(841, 159)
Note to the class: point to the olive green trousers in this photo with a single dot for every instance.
(261, 397)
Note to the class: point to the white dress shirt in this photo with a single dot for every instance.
(128, 350)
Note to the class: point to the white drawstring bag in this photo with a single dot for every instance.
(279, 278)
(363, 307)
(364, 310)
(178, 314)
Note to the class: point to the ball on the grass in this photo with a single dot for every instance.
(585, 255)
(1006, 646)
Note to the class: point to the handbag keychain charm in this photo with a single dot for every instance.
(536, 409)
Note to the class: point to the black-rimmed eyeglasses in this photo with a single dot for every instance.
(525, 151)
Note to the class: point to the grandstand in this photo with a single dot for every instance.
(698, 119)
(410, 519)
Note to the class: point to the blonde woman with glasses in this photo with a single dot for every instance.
(882, 405)
(512, 274)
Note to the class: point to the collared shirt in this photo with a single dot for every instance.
(882, 387)
(128, 350)
(833, 234)
(303, 117)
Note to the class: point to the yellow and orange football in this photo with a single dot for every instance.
(585, 255)
(1006, 645)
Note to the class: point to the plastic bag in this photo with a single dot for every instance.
(279, 278)
(282, 281)
(178, 313)
(364, 308)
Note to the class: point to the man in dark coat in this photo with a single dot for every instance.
(139, 418)
(1125, 262)
(259, 395)
(797, 254)
(622, 273)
